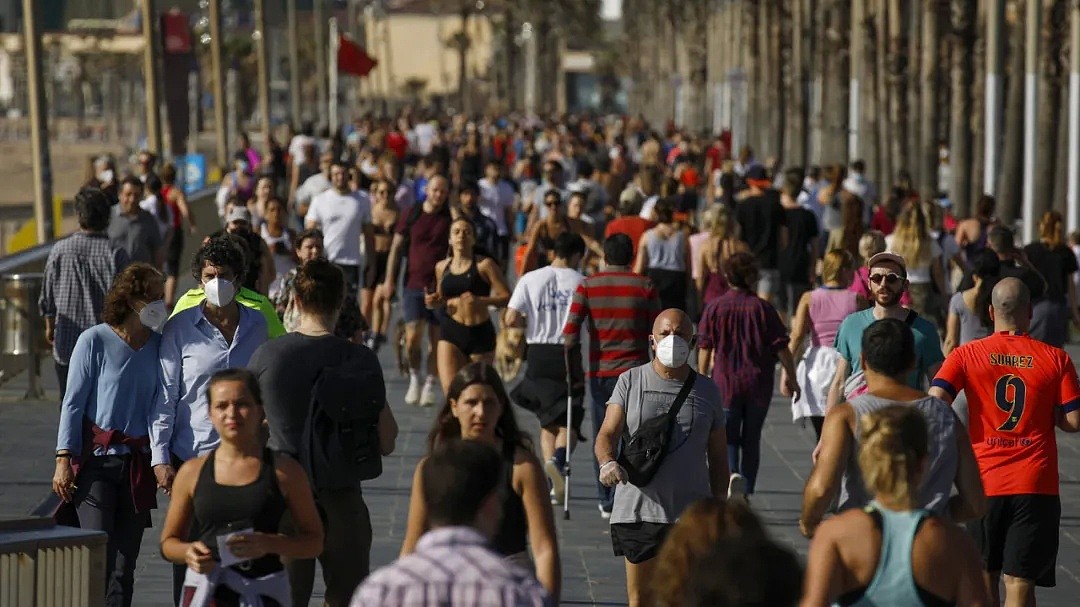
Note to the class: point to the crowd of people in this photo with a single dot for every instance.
(923, 350)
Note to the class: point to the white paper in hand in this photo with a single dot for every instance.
(227, 556)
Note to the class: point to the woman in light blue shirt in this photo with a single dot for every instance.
(103, 447)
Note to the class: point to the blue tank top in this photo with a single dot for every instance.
(893, 583)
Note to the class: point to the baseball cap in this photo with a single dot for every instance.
(887, 257)
(238, 214)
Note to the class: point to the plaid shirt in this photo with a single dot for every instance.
(78, 273)
(452, 567)
(747, 333)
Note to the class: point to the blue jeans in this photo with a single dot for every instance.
(745, 421)
(601, 389)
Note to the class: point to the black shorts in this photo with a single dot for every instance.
(475, 339)
(1019, 536)
(352, 278)
(381, 259)
(638, 542)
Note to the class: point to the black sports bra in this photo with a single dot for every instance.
(471, 281)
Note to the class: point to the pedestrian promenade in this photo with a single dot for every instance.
(591, 575)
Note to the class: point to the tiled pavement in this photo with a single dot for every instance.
(591, 575)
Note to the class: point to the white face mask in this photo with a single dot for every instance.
(153, 315)
(673, 351)
(105, 176)
(219, 292)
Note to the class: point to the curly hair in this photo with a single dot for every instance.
(130, 285)
(741, 270)
(222, 252)
(703, 524)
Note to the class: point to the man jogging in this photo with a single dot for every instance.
(1018, 389)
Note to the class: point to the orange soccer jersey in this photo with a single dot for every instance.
(1015, 386)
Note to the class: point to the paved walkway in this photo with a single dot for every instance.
(591, 575)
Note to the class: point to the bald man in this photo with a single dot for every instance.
(695, 465)
(423, 236)
(1018, 389)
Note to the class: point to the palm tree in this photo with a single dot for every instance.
(961, 118)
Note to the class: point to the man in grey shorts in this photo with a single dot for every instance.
(696, 463)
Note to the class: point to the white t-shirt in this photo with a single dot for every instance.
(150, 205)
(296, 147)
(543, 297)
(921, 275)
(341, 218)
(495, 198)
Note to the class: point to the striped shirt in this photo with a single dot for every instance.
(78, 273)
(452, 567)
(621, 307)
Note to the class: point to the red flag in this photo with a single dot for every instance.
(353, 59)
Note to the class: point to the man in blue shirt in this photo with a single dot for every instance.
(888, 280)
(196, 343)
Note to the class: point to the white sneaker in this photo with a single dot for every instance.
(429, 394)
(737, 487)
(554, 500)
(412, 395)
(558, 481)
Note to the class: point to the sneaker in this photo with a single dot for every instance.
(429, 394)
(557, 476)
(604, 514)
(412, 395)
(737, 487)
(554, 500)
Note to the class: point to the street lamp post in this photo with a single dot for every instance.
(39, 130)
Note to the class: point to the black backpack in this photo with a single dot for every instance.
(340, 444)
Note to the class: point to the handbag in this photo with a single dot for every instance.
(645, 450)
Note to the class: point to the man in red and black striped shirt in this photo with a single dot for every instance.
(621, 307)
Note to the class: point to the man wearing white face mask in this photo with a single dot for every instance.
(692, 466)
(196, 343)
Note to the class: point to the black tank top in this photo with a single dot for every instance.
(511, 538)
(221, 509)
(471, 281)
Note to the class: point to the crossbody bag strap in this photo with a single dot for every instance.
(680, 399)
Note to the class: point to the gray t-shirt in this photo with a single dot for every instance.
(684, 475)
(942, 426)
(138, 234)
(971, 328)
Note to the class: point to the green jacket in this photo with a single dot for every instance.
(245, 297)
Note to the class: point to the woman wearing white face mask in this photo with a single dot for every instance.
(103, 448)
(741, 338)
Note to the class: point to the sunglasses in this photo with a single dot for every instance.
(890, 279)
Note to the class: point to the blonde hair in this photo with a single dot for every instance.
(703, 524)
(723, 226)
(835, 263)
(1051, 230)
(892, 445)
(911, 240)
(708, 218)
(871, 243)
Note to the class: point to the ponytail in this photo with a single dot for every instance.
(893, 444)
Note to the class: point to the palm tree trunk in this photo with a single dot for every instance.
(1013, 148)
(886, 166)
(928, 148)
(978, 106)
(1055, 31)
(961, 122)
(897, 62)
(795, 141)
